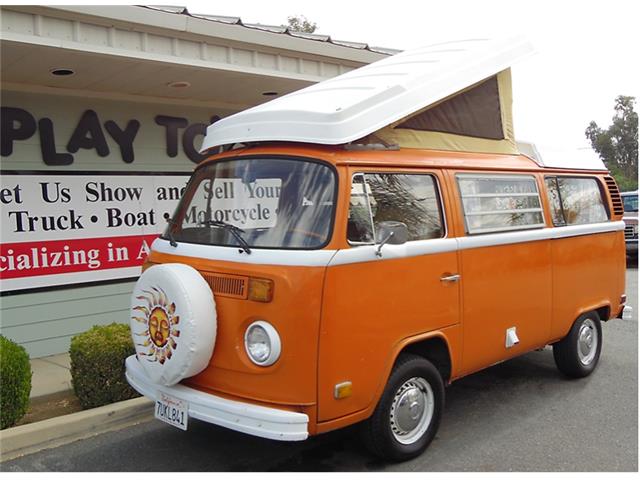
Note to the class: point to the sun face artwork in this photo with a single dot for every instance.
(159, 317)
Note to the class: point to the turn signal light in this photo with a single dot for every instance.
(260, 289)
(342, 390)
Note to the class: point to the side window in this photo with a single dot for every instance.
(576, 201)
(500, 203)
(360, 223)
(557, 215)
(410, 199)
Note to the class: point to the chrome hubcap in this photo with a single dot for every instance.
(411, 410)
(587, 342)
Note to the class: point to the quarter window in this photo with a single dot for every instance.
(575, 201)
(410, 199)
(498, 203)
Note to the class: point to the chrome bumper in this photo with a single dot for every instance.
(244, 417)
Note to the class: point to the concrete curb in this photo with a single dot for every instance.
(25, 439)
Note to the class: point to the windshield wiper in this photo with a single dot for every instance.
(235, 231)
(170, 221)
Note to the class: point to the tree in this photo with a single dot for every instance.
(618, 144)
(300, 23)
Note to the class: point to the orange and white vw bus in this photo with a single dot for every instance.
(353, 247)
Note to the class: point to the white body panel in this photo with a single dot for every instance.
(553, 157)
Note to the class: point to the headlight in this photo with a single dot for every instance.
(262, 343)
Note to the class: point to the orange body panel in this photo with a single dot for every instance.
(358, 334)
(349, 322)
(588, 273)
(294, 311)
(502, 287)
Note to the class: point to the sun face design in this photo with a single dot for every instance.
(159, 327)
(158, 316)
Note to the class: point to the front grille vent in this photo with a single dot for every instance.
(223, 285)
(618, 209)
(628, 231)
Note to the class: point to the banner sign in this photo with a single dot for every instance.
(68, 229)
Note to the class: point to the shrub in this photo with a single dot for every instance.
(97, 365)
(15, 383)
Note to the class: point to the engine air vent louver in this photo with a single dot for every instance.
(618, 209)
(227, 285)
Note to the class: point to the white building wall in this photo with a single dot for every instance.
(44, 319)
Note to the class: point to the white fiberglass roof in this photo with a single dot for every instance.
(360, 102)
(558, 157)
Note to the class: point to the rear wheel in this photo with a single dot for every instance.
(407, 417)
(577, 354)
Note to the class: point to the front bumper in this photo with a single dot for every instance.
(255, 420)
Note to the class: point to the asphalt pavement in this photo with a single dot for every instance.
(520, 415)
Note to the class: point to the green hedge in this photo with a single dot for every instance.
(97, 365)
(15, 383)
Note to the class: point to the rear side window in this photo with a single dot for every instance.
(575, 201)
(499, 203)
(410, 199)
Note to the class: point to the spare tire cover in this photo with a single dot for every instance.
(173, 322)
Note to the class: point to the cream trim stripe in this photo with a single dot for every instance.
(495, 239)
(301, 258)
(575, 230)
(367, 253)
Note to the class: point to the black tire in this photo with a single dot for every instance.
(413, 379)
(576, 355)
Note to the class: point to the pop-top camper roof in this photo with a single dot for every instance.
(451, 96)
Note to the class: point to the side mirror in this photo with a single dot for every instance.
(393, 233)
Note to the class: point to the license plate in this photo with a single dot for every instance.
(172, 410)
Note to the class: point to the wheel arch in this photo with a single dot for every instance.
(435, 349)
(434, 346)
(602, 309)
(604, 312)
(424, 345)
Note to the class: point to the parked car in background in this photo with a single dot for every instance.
(630, 201)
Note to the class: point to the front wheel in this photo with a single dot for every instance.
(577, 354)
(407, 417)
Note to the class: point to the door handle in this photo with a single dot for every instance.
(450, 278)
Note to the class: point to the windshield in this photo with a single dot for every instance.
(267, 202)
(630, 203)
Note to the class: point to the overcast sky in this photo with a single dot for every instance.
(587, 50)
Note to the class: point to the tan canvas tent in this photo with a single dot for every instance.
(477, 119)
